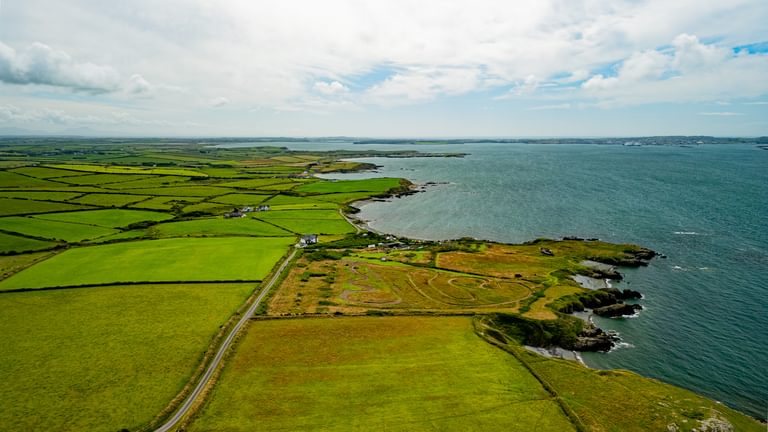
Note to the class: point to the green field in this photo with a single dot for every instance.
(208, 207)
(12, 243)
(102, 179)
(300, 214)
(52, 229)
(173, 260)
(376, 185)
(342, 198)
(288, 202)
(111, 218)
(218, 227)
(44, 196)
(602, 399)
(12, 263)
(165, 203)
(289, 199)
(394, 374)
(107, 200)
(149, 182)
(312, 226)
(131, 170)
(241, 199)
(256, 183)
(10, 206)
(309, 205)
(13, 180)
(183, 191)
(45, 173)
(103, 359)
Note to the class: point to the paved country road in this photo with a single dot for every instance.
(171, 423)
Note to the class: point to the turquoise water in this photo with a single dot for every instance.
(705, 322)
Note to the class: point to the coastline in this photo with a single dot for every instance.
(602, 362)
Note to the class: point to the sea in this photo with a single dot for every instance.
(704, 323)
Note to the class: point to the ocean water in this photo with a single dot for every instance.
(705, 320)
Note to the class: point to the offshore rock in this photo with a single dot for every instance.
(617, 310)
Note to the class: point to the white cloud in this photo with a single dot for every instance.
(423, 84)
(40, 64)
(692, 71)
(522, 88)
(721, 114)
(562, 106)
(330, 88)
(53, 116)
(218, 102)
(139, 86)
(341, 54)
(691, 55)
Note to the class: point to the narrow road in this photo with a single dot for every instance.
(171, 423)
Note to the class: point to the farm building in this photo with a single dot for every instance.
(234, 214)
(308, 240)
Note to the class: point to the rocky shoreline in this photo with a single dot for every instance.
(603, 299)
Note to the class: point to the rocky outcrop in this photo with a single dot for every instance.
(714, 424)
(626, 294)
(593, 338)
(635, 258)
(617, 310)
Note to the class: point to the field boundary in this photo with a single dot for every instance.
(184, 282)
(194, 400)
(479, 324)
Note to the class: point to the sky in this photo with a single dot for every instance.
(387, 68)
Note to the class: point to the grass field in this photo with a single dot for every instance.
(130, 170)
(45, 173)
(103, 359)
(602, 399)
(394, 374)
(325, 221)
(108, 200)
(149, 182)
(376, 185)
(353, 285)
(44, 196)
(102, 179)
(312, 226)
(218, 227)
(289, 199)
(617, 400)
(10, 179)
(256, 183)
(10, 206)
(241, 199)
(12, 243)
(301, 214)
(208, 207)
(183, 191)
(185, 259)
(12, 263)
(166, 203)
(52, 229)
(111, 218)
(342, 198)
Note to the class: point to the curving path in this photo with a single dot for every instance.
(181, 412)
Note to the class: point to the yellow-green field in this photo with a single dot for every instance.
(355, 285)
(171, 260)
(395, 374)
(102, 359)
